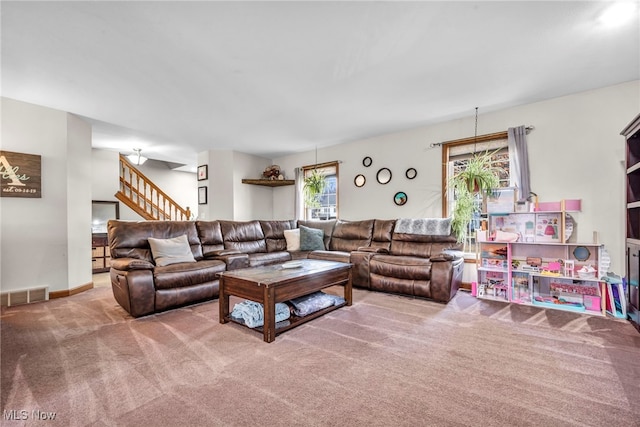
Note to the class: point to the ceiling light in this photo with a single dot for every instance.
(618, 13)
(136, 158)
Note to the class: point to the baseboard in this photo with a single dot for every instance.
(69, 292)
(465, 286)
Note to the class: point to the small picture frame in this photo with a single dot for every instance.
(203, 173)
(202, 195)
(501, 200)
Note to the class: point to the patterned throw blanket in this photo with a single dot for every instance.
(316, 301)
(426, 226)
(252, 313)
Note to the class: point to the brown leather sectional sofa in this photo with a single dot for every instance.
(413, 264)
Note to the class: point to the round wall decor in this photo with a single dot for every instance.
(411, 173)
(367, 161)
(400, 198)
(359, 180)
(383, 176)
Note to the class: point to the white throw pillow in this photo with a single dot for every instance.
(171, 251)
(293, 239)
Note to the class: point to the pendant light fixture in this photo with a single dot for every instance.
(136, 158)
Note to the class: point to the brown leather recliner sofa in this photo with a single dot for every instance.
(385, 258)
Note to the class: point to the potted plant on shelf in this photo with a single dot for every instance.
(313, 187)
(480, 176)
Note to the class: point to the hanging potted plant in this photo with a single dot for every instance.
(479, 177)
(313, 188)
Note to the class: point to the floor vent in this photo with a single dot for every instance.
(24, 296)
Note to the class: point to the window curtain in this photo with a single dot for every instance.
(519, 161)
(298, 199)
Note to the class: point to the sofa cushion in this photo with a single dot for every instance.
(350, 235)
(293, 239)
(267, 258)
(171, 251)
(244, 236)
(401, 267)
(187, 274)
(382, 233)
(129, 239)
(311, 239)
(274, 233)
(400, 275)
(421, 245)
(210, 236)
(175, 297)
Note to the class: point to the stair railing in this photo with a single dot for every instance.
(145, 198)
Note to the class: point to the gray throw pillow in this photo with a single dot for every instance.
(171, 251)
(311, 239)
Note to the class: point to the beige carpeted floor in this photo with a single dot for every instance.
(385, 361)
(102, 280)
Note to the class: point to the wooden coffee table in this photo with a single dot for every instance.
(271, 284)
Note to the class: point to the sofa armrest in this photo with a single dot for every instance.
(445, 279)
(360, 270)
(448, 255)
(134, 290)
(128, 264)
(441, 257)
(233, 260)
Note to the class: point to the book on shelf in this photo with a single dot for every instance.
(616, 300)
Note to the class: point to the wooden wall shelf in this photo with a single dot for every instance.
(269, 182)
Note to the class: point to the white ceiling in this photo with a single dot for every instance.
(176, 78)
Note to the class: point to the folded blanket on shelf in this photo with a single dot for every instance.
(314, 302)
(252, 313)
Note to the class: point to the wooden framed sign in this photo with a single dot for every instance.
(20, 175)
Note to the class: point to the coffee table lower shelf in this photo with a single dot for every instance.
(292, 321)
(271, 284)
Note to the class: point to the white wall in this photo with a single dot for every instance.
(79, 177)
(251, 201)
(228, 197)
(219, 185)
(105, 178)
(575, 152)
(47, 241)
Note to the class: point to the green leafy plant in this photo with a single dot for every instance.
(314, 185)
(480, 176)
